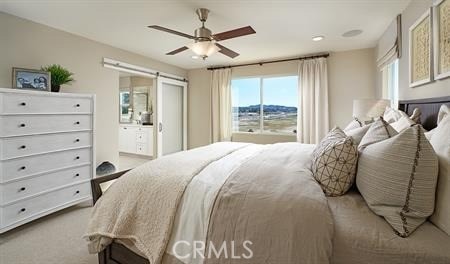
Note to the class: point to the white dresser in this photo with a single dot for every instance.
(46, 153)
(136, 139)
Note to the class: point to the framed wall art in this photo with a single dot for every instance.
(29, 79)
(441, 38)
(420, 50)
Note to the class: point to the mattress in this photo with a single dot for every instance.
(360, 236)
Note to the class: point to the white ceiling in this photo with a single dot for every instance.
(283, 28)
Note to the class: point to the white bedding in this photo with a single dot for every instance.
(359, 235)
(191, 222)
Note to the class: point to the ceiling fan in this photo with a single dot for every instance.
(205, 43)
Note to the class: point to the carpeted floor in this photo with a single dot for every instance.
(54, 239)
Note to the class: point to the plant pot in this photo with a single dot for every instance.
(55, 88)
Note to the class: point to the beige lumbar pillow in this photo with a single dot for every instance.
(334, 163)
(378, 131)
(441, 144)
(397, 178)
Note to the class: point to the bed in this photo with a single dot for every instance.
(353, 235)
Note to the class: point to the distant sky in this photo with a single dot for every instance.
(277, 91)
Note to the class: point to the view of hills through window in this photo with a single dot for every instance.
(275, 97)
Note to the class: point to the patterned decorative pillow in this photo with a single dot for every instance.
(378, 131)
(334, 162)
(397, 178)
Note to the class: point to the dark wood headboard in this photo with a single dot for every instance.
(429, 108)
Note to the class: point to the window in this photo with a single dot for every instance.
(390, 82)
(275, 97)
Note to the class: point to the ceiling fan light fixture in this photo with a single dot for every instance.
(204, 48)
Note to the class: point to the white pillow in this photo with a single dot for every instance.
(443, 112)
(397, 178)
(358, 133)
(429, 134)
(403, 123)
(441, 144)
(391, 115)
(354, 124)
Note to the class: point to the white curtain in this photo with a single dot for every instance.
(221, 116)
(312, 118)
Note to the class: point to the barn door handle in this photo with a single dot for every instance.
(160, 127)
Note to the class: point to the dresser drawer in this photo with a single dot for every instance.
(39, 205)
(45, 103)
(24, 188)
(29, 125)
(141, 137)
(142, 149)
(29, 145)
(22, 167)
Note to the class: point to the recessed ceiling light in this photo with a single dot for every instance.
(352, 33)
(195, 57)
(318, 38)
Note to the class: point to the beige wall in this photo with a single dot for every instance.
(434, 89)
(30, 45)
(351, 76)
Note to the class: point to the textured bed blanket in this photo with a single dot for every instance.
(139, 209)
(273, 202)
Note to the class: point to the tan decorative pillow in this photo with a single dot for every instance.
(378, 131)
(397, 178)
(334, 163)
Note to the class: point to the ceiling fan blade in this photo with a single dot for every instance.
(172, 31)
(173, 52)
(239, 32)
(227, 51)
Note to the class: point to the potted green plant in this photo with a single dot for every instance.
(59, 76)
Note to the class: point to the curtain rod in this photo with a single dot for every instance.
(272, 61)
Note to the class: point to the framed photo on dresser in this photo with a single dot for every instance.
(29, 79)
(441, 38)
(420, 50)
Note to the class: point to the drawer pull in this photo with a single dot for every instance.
(23, 210)
(22, 125)
(77, 192)
(22, 189)
(77, 105)
(23, 104)
(77, 140)
(23, 147)
(23, 168)
(77, 158)
(76, 175)
(77, 123)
